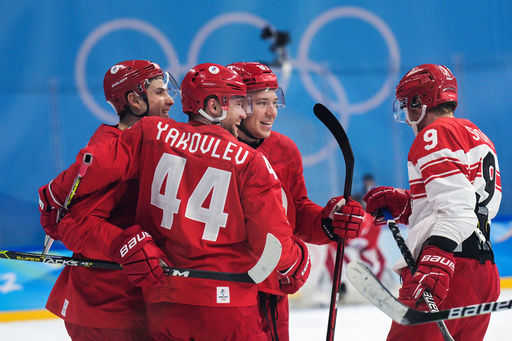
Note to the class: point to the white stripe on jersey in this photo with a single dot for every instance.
(457, 156)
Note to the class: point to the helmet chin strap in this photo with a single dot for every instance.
(213, 119)
(414, 124)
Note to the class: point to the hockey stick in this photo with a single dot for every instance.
(411, 264)
(370, 287)
(257, 274)
(86, 162)
(334, 126)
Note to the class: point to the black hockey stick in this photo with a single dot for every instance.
(86, 162)
(370, 287)
(257, 274)
(411, 264)
(334, 126)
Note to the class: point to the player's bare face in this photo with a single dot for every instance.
(235, 115)
(264, 107)
(159, 100)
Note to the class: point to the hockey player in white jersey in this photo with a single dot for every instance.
(454, 192)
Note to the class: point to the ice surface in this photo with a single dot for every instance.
(355, 323)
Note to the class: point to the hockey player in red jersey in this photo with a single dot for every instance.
(455, 191)
(309, 222)
(209, 202)
(99, 304)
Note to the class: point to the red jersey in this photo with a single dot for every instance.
(303, 214)
(95, 298)
(207, 199)
(451, 165)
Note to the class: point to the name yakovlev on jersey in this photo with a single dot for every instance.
(199, 143)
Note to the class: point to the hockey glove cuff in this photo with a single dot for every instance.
(50, 212)
(291, 280)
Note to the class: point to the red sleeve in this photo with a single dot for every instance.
(61, 185)
(88, 227)
(113, 162)
(261, 197)
(308, 214)
(88, 232)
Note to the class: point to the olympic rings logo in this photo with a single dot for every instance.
(303, 64)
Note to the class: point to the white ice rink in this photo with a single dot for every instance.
(355, 323)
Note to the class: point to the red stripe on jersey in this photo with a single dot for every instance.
(440, 159)
(444, 175)
(417, 188)
(442, 167)
(474, 172)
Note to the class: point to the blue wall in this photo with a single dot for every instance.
(350, 57)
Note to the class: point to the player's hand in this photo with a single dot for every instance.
(140, 257)
(294, 278)
(49, 210)
(397, 201)
(342, 219)
(434, 273)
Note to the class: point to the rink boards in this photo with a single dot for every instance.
(25, 286)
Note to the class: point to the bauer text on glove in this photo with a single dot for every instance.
(140, 257)
(434, 274)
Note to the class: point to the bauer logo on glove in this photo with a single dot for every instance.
(439, 259)
(132, 242)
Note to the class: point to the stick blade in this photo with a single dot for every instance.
(268, 260)
(370, 287)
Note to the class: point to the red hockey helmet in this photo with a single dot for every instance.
(132, 75)
(258, 76)
(426, 85)
(208, 79)
(255, 75)
(432, 84)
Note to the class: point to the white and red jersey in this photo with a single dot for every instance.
(207, 199)
(303, 214)
(450, 162)
(88, 297)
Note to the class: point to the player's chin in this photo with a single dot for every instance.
(264, 131)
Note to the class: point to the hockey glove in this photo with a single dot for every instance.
(140, 257)
(396, 201)
(50, 211)
(294, 278)
(341, 219)
(434, 273)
